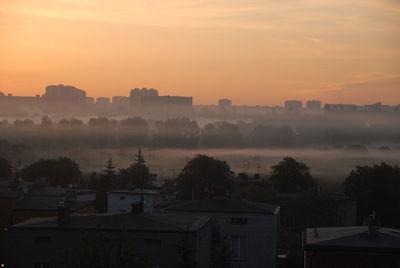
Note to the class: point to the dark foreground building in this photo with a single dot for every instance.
(351, 247)
(129, 239)
(252, 228)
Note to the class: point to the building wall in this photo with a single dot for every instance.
(58, 247)
(118, 202)
(261, 235)
(334, 259)
(6, 211)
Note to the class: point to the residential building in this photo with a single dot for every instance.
(293, 105)
(252, 228)
(349, 247)
(163, 240)
(61, 93)
(340, 107)
(121, 200)
(313, 105)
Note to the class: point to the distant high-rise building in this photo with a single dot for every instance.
(64, 94)
(89, 100)
(137, 94)
(313, 105)
(293, 105)
(340, 107)
(225, 103)
(102, 101)
(120, 100)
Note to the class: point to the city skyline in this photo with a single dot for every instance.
(303, 102)
(335, 51)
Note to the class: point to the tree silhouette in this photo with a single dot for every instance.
(110, 169)
(58, 172)
(103, 185)
(290, 176)
(5, 169)
(201, 176)
(376, 189)
(139, 158)
(220, 250)
(137, 174)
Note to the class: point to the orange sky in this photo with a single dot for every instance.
(252, 51)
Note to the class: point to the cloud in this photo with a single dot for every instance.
(368, 91)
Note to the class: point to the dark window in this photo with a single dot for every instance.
(41, 265)
(152, 241)
(239, 220)
(122, 197)
(238, 247)
(41, 239)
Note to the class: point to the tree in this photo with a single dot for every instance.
(46, 122)
(103, 185)
(137, 174)
(290, 176)
(186, 253)
(376, 189)
(177, 132)
(220, 250)
(201, 175)
(110, 169)
(5, 169)
(62, 171)
(260, 192)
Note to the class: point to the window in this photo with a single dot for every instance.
(238, 247)
(41, 239)
(122, 197)
(152, 242)
(239, 221)
(41, 265)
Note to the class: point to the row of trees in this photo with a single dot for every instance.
(184, 132)
(375, 188)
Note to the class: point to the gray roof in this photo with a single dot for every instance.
(46, 203)
(45, 190)
(136, 192)
(8, 193)
(224, 205)
(127, 221)
(352, 238)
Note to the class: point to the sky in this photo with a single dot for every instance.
(256, 52)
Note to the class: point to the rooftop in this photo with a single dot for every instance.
(136, 191)
(128, 221)
(224, 205)
(352, 238)
(46, 203)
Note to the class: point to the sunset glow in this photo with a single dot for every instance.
(254, 52)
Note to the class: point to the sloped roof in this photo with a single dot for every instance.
(120, 222)
(46, 203)
(136, 192)
(224, 205)
(352, 238)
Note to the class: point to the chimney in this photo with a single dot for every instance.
(62, 214)
(373, 228)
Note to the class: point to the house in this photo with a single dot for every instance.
(354, 246)
(163, 240)
(46, 206)
(252, 228)
(121, 200)
(8, 198)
